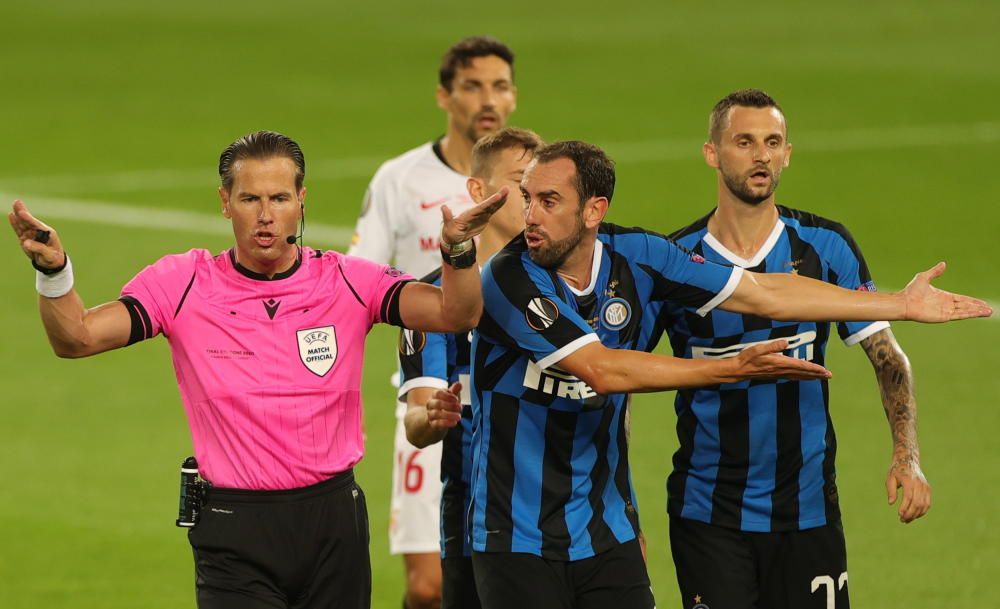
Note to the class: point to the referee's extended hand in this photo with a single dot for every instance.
(905, 473)
(444, 409)
(472, 221)
(48, 255)
(928, 304)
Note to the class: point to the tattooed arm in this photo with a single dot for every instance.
(895, 382)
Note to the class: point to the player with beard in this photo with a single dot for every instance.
(400, 221)
(754, 518)
(569, 315)
(433, 364)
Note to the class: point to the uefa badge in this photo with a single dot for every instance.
(318, 349)
(616, 314)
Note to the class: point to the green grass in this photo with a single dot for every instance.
(91, 90)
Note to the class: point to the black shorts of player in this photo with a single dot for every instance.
(615, 578)
(722, 568)
(458, 585)
(300, 548)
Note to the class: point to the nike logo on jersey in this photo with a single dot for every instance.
(432, 204)
(271, 306)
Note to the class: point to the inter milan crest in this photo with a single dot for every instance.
(616, 314)
(318, 349)
(541, 313)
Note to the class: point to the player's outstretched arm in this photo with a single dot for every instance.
(73, 330)
(895, 383)
(791, 297)
(430, 413)
(458, 303)
(622, 371)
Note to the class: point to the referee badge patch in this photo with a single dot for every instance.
(616, 314)
(318, 349)
(541, 313)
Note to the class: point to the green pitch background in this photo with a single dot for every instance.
(896, 127)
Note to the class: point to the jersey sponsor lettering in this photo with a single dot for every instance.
(800, 346)
(560, 384)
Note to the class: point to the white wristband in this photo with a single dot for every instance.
(56, 284)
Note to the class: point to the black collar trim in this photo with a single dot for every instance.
(436, 147)
(242, 270)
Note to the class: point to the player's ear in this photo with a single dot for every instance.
(594, 211)
(442, 95)
(224, 197)
(788, 154)
(476, 188)
(302, 197)
(711, 154)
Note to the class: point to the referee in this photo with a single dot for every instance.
(267, 340)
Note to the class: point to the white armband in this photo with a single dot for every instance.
(56, 284)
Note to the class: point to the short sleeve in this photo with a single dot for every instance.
(523, 311)
(848, 269)
(378, 286)
(686, 278)
(423, 361)
(154, 297)
(375, 232)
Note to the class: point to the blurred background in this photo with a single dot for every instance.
(114, 113)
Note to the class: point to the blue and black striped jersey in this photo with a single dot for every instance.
(550, 456)
(428, 359)
(759, 456)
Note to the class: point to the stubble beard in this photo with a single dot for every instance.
(553, 256)
(738, 186)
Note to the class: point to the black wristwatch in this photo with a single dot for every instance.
(459, 255)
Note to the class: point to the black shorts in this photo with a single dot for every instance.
(301, 548)
(616, 578)
(458, 585)
(724, 568)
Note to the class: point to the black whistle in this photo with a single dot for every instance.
(42, 236)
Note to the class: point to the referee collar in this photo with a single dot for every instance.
(242, 270)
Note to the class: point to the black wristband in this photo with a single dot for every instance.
(460, 261)
(45, 271)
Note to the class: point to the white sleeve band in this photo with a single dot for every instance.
(56, 284)
(726, 292)
(863, 333)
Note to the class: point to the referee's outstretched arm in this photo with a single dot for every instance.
(73, 330)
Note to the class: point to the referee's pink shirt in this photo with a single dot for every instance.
(269, 370)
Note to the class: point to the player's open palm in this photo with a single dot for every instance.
(39, 241)
(905, 474)
(928, 304)
(766, 361)
(472, 221)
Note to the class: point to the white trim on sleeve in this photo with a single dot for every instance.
(556, 356)
(863, 333)
(421, 381)
(726, 292)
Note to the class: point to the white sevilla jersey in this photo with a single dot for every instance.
(400, 219)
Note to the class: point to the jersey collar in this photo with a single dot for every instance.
(762, 253)
(242, 270)
(595, 268)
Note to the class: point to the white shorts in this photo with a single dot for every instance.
(414, 522)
